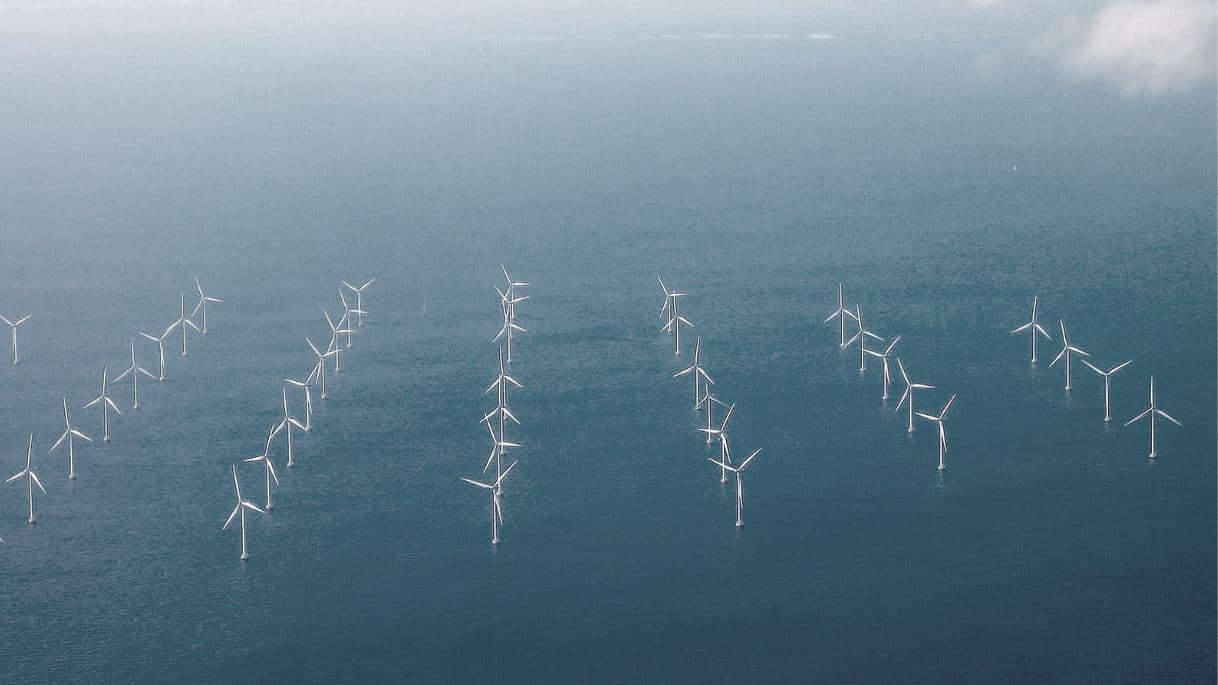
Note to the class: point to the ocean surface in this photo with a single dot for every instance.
(753, 175)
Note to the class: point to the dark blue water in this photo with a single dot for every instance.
(755, 177)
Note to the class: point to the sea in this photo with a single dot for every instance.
(945, 179)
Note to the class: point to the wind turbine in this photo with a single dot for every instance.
(286, 424)
(501, 410)
(68, 433)
(30, 476)
(335, 331)
(699, 375)
(739, 485)
(512, 285)
(347, 312)
(496, 511)
(1107, 381)
(675, 324)
(160, 345)
(709, 400)
(308, 424)
(14, 325)
(203, 300)
(359, 301)
(239, 510)
(135, 370)
(938, 419)
(107, 404)
(1034, 327)
(909, 393)
(183, 322)
(508, 301)
(499, 447)
(884, 358)
(862, 336)
(841, 313)
(319, 370)
(1151, 411)
(267, 466)
(722, 429)
(1067, 348)
(509, 325)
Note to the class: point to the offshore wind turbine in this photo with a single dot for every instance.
(182, 321)
(709, 400)
(308, 424)
(862, 336)
(909, 393)
(335, 331)
(203, 300)
(135, 370)
(286, 424)
(884, 358)
(699, 374)
(841, 313)
(674, 317)
(242, 505)
(267, 467)
(160, 345)
(319, 370)
(938, 419)
(14, 325)
(347, 312)
(722, 429)
(508, 300)
(107, 403)
(499, 447)
(359, 299)
(1152, 411)
(68, 433)
(509, 325)
(29, 475)
(1067, 349)
(739, 485)
(496, 511)
(1033, 327)
(1107, 381)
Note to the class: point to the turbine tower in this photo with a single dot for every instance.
(1152, 411)
(699, 374)
(1033, 327)
(938, 419)
(160, 345)
(29, 475)
(1067, 349)
(496, 511)
(68, 433)
(1107, 382)
(884, 358)
(304, 385)
(239, 510)
(107, 403)
(14, 325)
(135, 370)
(739, 485)
(710, 400)
(674, 317)
(862, 336)
(286, 424)
(319, 369)
(909, 393)
(182, 321)
(841, 313)
(202, 305)
(267, 467)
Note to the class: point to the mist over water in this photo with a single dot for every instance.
(753, 175)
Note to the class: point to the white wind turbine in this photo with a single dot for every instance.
(359, 300)
(739, 485)
(674, 317)
(182, 321)
(1034, 327)
(909, 393)
(335, 331)
(1152, 411)
(107, 403)
(499, 447)
(722, 429)
(68, 433)
(938, 419)
(160, 345)
(203, 300)
(699, 374)
(496, 511)
(239, 510)
(286, 424)
(710, 401)
(1107, 381)
(884, 358)
(304, 385)
(1067, 349)
(319, 370)
(29, 475)
(347, 312)
(509, 325)
(267, 467)
(841, 313)
(135, 370)
(862, 336)
(14, 325)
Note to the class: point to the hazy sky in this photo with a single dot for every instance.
(1139, 47)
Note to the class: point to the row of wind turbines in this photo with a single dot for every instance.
(1033, 328)
(341, 333)
(704, 398)
(104, 400)
(501, 414)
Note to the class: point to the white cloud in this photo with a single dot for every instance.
(1142, 47)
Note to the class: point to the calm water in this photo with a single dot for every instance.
(754, 176)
